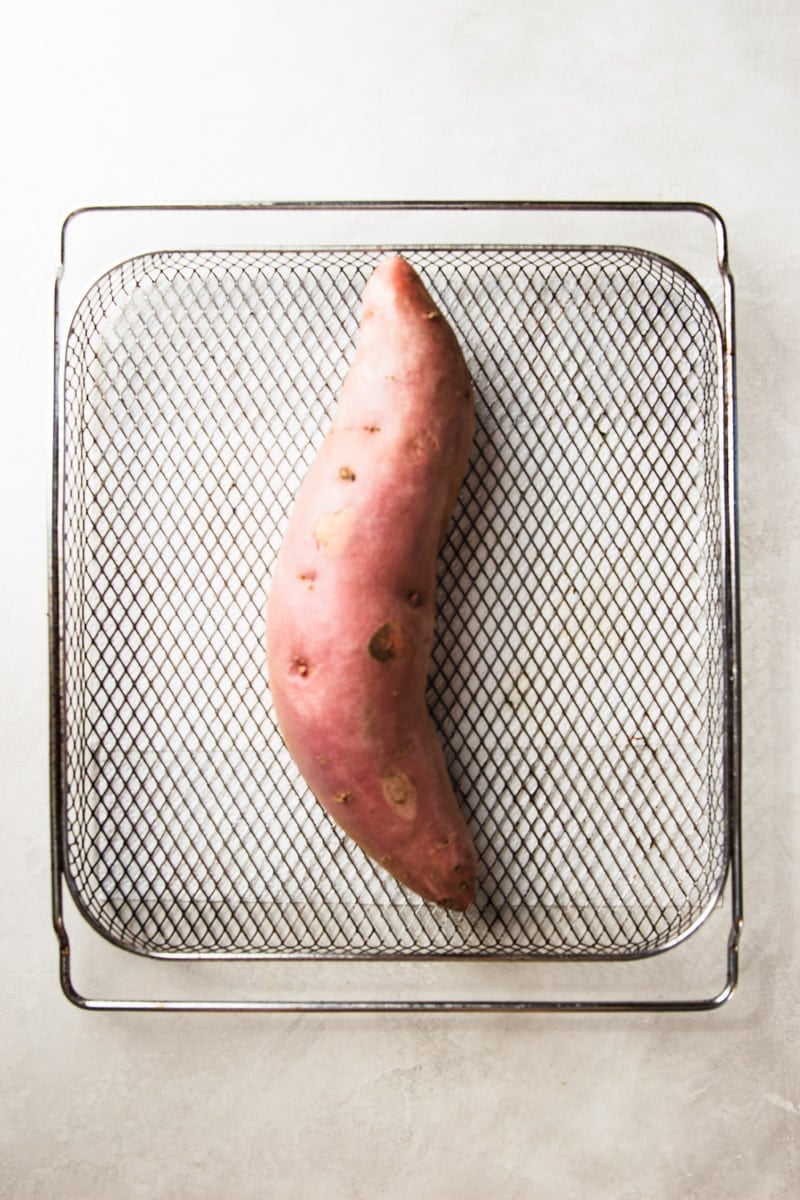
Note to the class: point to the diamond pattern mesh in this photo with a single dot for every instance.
(578, 669)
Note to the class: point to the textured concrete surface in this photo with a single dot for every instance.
(160, 102)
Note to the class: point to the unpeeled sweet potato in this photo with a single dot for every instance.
(350, 616)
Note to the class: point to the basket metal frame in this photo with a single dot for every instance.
(731, 654)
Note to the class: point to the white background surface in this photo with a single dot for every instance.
(204, 102)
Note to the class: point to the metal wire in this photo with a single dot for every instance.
(579, 669)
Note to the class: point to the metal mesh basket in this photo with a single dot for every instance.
(579, 669)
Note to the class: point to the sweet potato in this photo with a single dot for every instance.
(350, 615)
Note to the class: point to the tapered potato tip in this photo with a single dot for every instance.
(395, 284)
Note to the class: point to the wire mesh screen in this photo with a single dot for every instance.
(577, 674)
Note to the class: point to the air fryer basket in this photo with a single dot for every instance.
(583, 665)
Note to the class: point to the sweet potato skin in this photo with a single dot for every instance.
(350, 615)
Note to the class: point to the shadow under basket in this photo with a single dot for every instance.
(585, 670)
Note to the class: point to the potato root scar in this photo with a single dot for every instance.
(333, 530)
(456, 902)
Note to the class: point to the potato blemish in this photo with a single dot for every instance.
(332, 532)
(421, 446)
(343, 797)
(308, 577)
(414, 599)
(400, 792)
(299, 666)
(347, 474)
(387, 642)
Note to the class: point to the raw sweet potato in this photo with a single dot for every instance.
(350, 616)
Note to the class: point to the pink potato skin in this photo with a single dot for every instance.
(350, 615)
